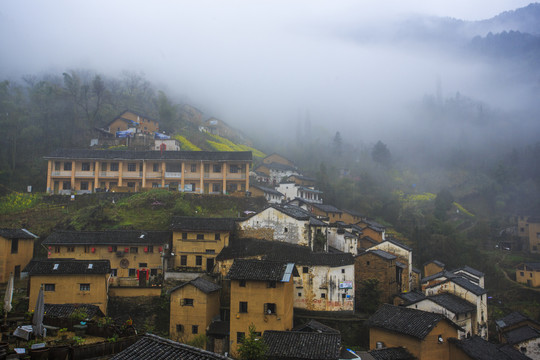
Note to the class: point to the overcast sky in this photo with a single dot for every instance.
(245, 61)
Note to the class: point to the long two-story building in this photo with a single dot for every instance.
(208, 172)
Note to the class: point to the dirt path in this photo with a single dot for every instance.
(498, 265)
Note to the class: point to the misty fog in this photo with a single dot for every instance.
(365, 69)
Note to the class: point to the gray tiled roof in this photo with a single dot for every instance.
(316, 222)
(327, 208)
(411, 322)
(266, 189)
(284, 252)
(17, 234)
(302, 177)
(203, 224)
(513, 354)
(436, 262)
(463, 282)
(479, 349)
(109, 237)
(150, 155)
(452, 303)
(315, 326)
(469, 270)
(399, 244)
(466, 284)
(257, 270)
(370, 239)
(511, 319)
(65, 310)
(200, 283)
(157, 348)
(393, 353)
(533, 266)
(67, 267)
(412, 296)
(442, 274)
(294, 211)
(521, 334)
(381, 253)
(374, 225)
(302, 345)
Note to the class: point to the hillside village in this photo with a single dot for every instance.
(280, 274)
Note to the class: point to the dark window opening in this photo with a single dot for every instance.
(84, 287)
(243, 307)
(14, 246)
(240, 336)
(270, 309)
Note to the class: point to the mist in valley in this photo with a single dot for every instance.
(423, 78)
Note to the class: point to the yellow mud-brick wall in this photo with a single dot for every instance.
(431, 269)
(9, 261)
(256, 294)
(207, 248)
(200, 314)
(67, 290)
(259, 233)
(106, 252)
(378, 268)
(527, 276)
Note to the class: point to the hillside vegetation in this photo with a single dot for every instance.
(150, 210)
(50, 111)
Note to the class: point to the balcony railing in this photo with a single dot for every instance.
(132, 175)
(192, 176)
(217, 176)
(173, 175)
(106, 174)
(61, 173)
(153, 175)
(85, 173)
(236, 176)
